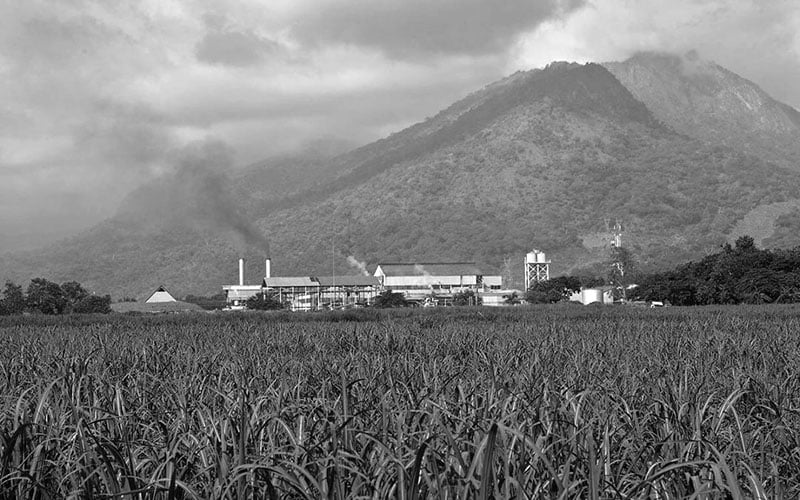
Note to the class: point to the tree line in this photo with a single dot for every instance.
(738, 274)
(46, 297)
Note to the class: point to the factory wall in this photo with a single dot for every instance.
(426, 280)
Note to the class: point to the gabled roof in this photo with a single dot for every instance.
(348, 281)
(430, 268)
(160, 295)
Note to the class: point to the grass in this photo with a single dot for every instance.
(549, 402)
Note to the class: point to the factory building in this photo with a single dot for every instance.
(306, 293)
(421, 281)
(324, 292)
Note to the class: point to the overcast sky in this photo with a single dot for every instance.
(99, 96)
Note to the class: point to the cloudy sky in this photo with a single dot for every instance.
(99, 96)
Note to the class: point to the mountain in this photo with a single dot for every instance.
(546, 158)
(701, 99)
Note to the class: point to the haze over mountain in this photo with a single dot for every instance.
(682, 152)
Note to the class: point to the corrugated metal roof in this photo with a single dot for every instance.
(301, 281)
(289, 281)
(430, 268)
(349, 281)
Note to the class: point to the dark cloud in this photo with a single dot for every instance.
(419, 29)
(758, 40)
(234, 48)
(101, 97)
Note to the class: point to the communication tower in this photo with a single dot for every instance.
(618, 262)
(617, 239)
(537, 268)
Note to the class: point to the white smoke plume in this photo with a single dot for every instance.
(361, 266)
(421, 270)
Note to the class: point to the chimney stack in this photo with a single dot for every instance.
(269, 268)
(241, 272)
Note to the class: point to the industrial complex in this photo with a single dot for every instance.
(421, 283)
(424, 283)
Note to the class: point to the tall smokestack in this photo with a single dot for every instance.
(269, 269)
(241, 272)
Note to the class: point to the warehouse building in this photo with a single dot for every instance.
(422, 281)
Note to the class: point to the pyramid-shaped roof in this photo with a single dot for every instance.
(160, 295)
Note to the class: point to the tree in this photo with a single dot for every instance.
(389, 299)
(46, 297)
(212, 302)
(591, 281)
(93, 304)
(554, 290)
(465, 298)
(739, 273)
(745, 244)
(263, 302)
(73, 293)
(13, 301)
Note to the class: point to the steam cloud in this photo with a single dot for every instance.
(361, 266)
(421, 270)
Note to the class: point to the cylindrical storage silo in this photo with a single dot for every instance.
(530, 258)
(540, 258)
(591, 296)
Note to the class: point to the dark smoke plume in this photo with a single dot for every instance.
(197, 195)
(208, 163)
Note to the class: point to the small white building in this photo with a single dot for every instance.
(237, 295)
